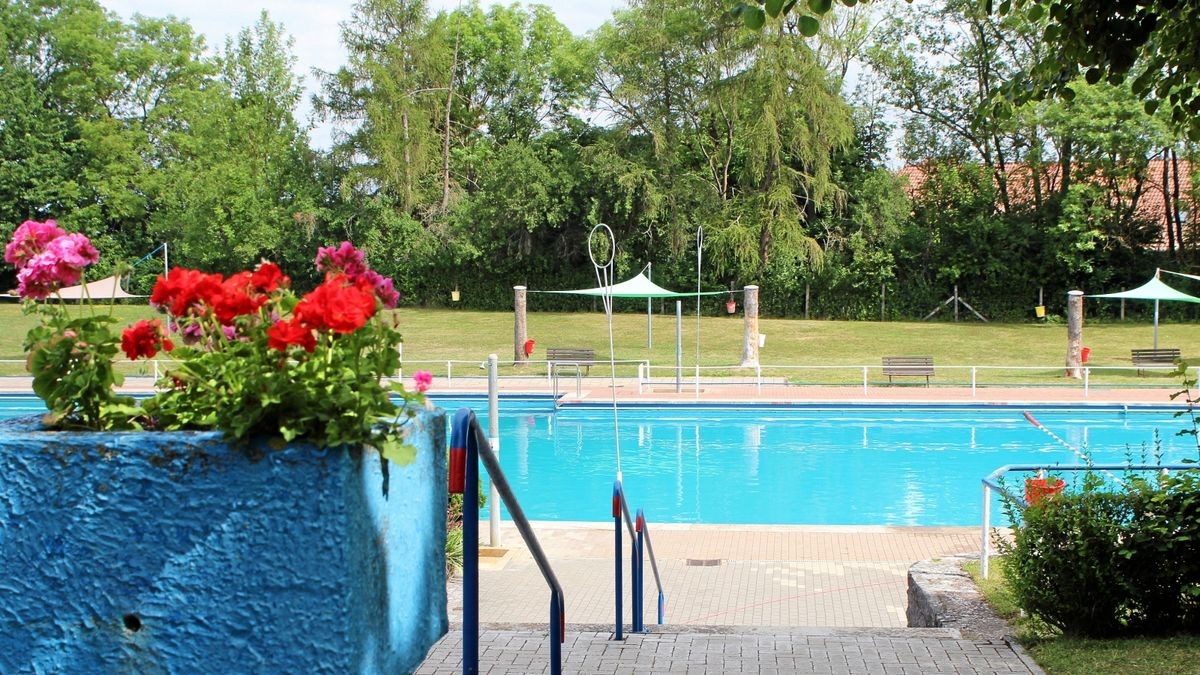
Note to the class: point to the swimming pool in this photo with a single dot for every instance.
(796, 464)
(860, 465)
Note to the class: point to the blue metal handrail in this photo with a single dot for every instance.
(639, 536)
(469, 446)
(992, 482)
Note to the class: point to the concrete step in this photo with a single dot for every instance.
(521, 649)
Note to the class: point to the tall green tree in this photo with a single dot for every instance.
(241, 185)
(751, 120)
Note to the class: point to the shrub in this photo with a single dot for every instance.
(1102, 562)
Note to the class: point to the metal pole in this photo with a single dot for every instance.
(678, 346)
(470, 525)
(494, 441)
(1155, 324)
(983, 539)
(639, 621)
(616, 511)
(556, 636)
(649, 309)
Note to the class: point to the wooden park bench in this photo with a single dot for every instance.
(1153, 358)
(908, 366)
(580, 357)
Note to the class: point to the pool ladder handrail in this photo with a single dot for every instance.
(469, 446)
(639, 536)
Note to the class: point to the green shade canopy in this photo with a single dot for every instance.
(638, 287)
(1154, 289)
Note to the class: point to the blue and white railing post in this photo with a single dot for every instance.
(616, 511)
(639, 621)
(468, 447)
(464, 480)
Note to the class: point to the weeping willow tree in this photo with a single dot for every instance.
(738, 126)
(790, 120)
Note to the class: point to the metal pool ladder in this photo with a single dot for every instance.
(468, 446)
(639, 538)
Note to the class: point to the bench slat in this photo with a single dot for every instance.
(1154, 357)
(912, 366)
(581, 357)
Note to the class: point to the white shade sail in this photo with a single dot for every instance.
(100, 289)
(639, 286)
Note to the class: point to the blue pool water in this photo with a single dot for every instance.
(799, 465)
(858, 465)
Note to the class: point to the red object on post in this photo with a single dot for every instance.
(1084, 354)
(1039, 489)
(458, 471)
(730, 306)
(529, 346)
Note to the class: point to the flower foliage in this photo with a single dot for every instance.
(248, 355)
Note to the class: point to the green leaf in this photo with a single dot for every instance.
(396, 451)
(809, 26)
(820, 6)
(754, 18)
(1035, 12)
(1092, 76)
(773, 7)
(1151, 107)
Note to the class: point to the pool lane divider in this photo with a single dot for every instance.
(1081, 455)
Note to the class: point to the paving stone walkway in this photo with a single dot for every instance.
(518, 650)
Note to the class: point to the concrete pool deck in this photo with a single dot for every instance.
(745, 575)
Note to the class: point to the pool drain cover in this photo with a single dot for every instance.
(703, 562)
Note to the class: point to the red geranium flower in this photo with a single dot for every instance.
(237, 296)
(185, 291)
(268, 277)
(338, 305)
(285, 333)
(145, 338)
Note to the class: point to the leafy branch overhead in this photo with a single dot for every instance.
(755, 15)
(1149, 42)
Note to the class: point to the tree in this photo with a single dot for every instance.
(737, 128)
(1152, 41)
(240, 186)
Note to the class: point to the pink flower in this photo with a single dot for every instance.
(44, 274)
(73, 250)
(30, 239)
(422, 379)
(384, 289)
(345, 259)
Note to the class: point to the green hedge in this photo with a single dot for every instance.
(1102, 562)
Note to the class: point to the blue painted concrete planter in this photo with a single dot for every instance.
(178, 553)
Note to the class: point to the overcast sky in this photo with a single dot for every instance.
(314, 25)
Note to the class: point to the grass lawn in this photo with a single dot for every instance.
(1060, 655)
(440, 335)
